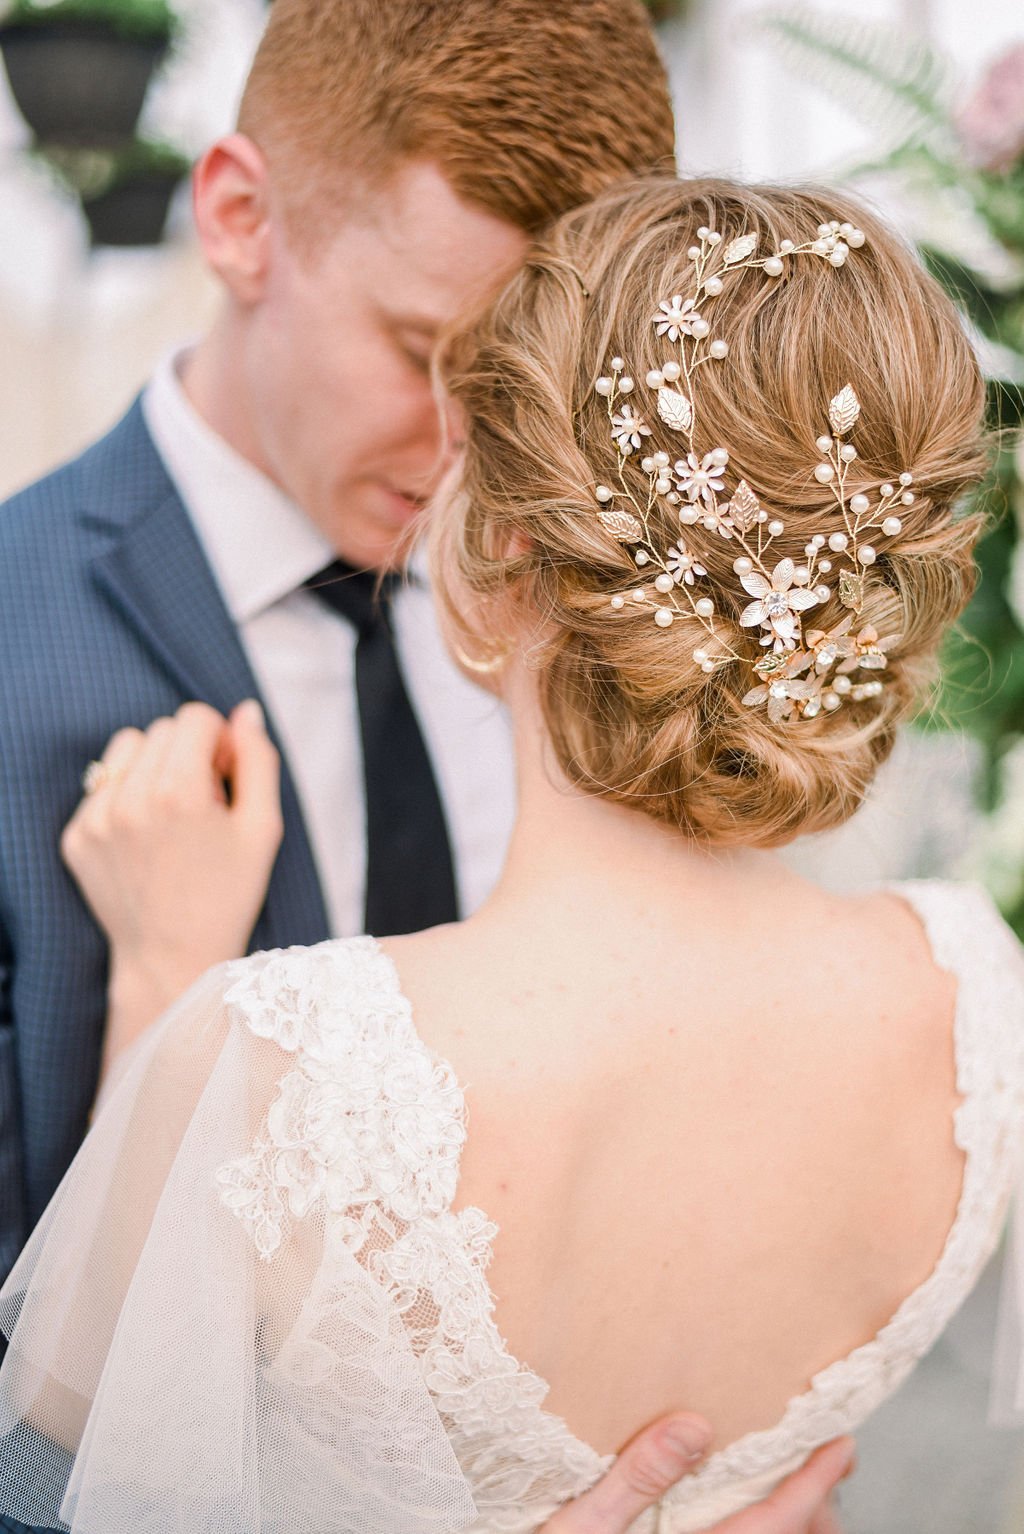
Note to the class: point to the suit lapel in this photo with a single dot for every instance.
(157, 577)
(155, 574)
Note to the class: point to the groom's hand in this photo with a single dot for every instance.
(672, 1448)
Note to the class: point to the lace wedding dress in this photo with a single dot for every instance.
(252, 1308)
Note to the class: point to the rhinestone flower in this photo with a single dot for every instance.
(777, 603)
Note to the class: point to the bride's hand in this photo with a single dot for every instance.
(175, 868)
(672, 1448)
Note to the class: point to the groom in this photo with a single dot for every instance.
(392, 163)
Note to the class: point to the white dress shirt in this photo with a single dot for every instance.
(261, 548)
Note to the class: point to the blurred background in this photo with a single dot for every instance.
(919, 104)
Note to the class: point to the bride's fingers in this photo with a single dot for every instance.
(90, 815)
(131, 797)
(652, 1462)
(224, 755)
(118, 762)
(186, 771)
(119, 758)
(121, 751)
(255, 775)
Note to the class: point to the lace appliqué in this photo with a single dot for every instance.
(367, 1126)
(364, 1116)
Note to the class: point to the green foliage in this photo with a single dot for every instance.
(899, 87)
(983, 675)
(91, 173)
(132, 18)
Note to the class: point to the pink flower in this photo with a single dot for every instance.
(991, 123)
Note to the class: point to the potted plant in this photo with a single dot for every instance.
(79, 69)
(125, 194)
(132, 208)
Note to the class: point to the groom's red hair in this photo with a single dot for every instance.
(528, 107)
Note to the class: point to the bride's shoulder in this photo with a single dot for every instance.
(290, 995)
(944, 953)
(914, 956)
(961, 929)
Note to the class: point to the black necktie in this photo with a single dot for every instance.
(410, 882)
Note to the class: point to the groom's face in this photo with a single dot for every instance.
(339, 364)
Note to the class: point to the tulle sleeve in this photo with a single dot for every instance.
(166, 1373)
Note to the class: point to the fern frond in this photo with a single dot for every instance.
(895, 84)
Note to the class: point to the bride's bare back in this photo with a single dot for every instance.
(711, 1107)
(719, 1148)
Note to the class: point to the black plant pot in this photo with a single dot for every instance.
(79, 82)
(134, 212)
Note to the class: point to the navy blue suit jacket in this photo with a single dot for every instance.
(109, 616)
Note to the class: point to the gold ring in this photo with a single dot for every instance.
(96, 776)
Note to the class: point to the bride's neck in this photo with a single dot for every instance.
(579, 851)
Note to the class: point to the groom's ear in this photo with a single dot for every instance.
(232, 211)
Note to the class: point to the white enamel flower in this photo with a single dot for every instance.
(675, 317)
(716, 519)
(777, 603)
(629, 429)
(699, 479)
(682, 565)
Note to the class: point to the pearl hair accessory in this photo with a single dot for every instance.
(799, 673)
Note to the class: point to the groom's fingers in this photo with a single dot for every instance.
(827, 1521)
(642, 1473)
(672, 1448)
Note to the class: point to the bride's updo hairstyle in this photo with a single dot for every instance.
(631, 716)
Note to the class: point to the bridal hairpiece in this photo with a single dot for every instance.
(801, 670)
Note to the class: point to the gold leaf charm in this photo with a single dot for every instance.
(740, 249)
(843, 411)
(675, 409)
(744, 507)
(851, 589)
(771, 664)
(622, 525)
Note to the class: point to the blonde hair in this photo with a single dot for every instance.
(630, 715)
(528, 108)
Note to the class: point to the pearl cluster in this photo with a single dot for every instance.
(799, 673)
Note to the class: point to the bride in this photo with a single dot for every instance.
(390, 1217)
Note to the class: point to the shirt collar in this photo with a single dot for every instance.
(260, 544)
